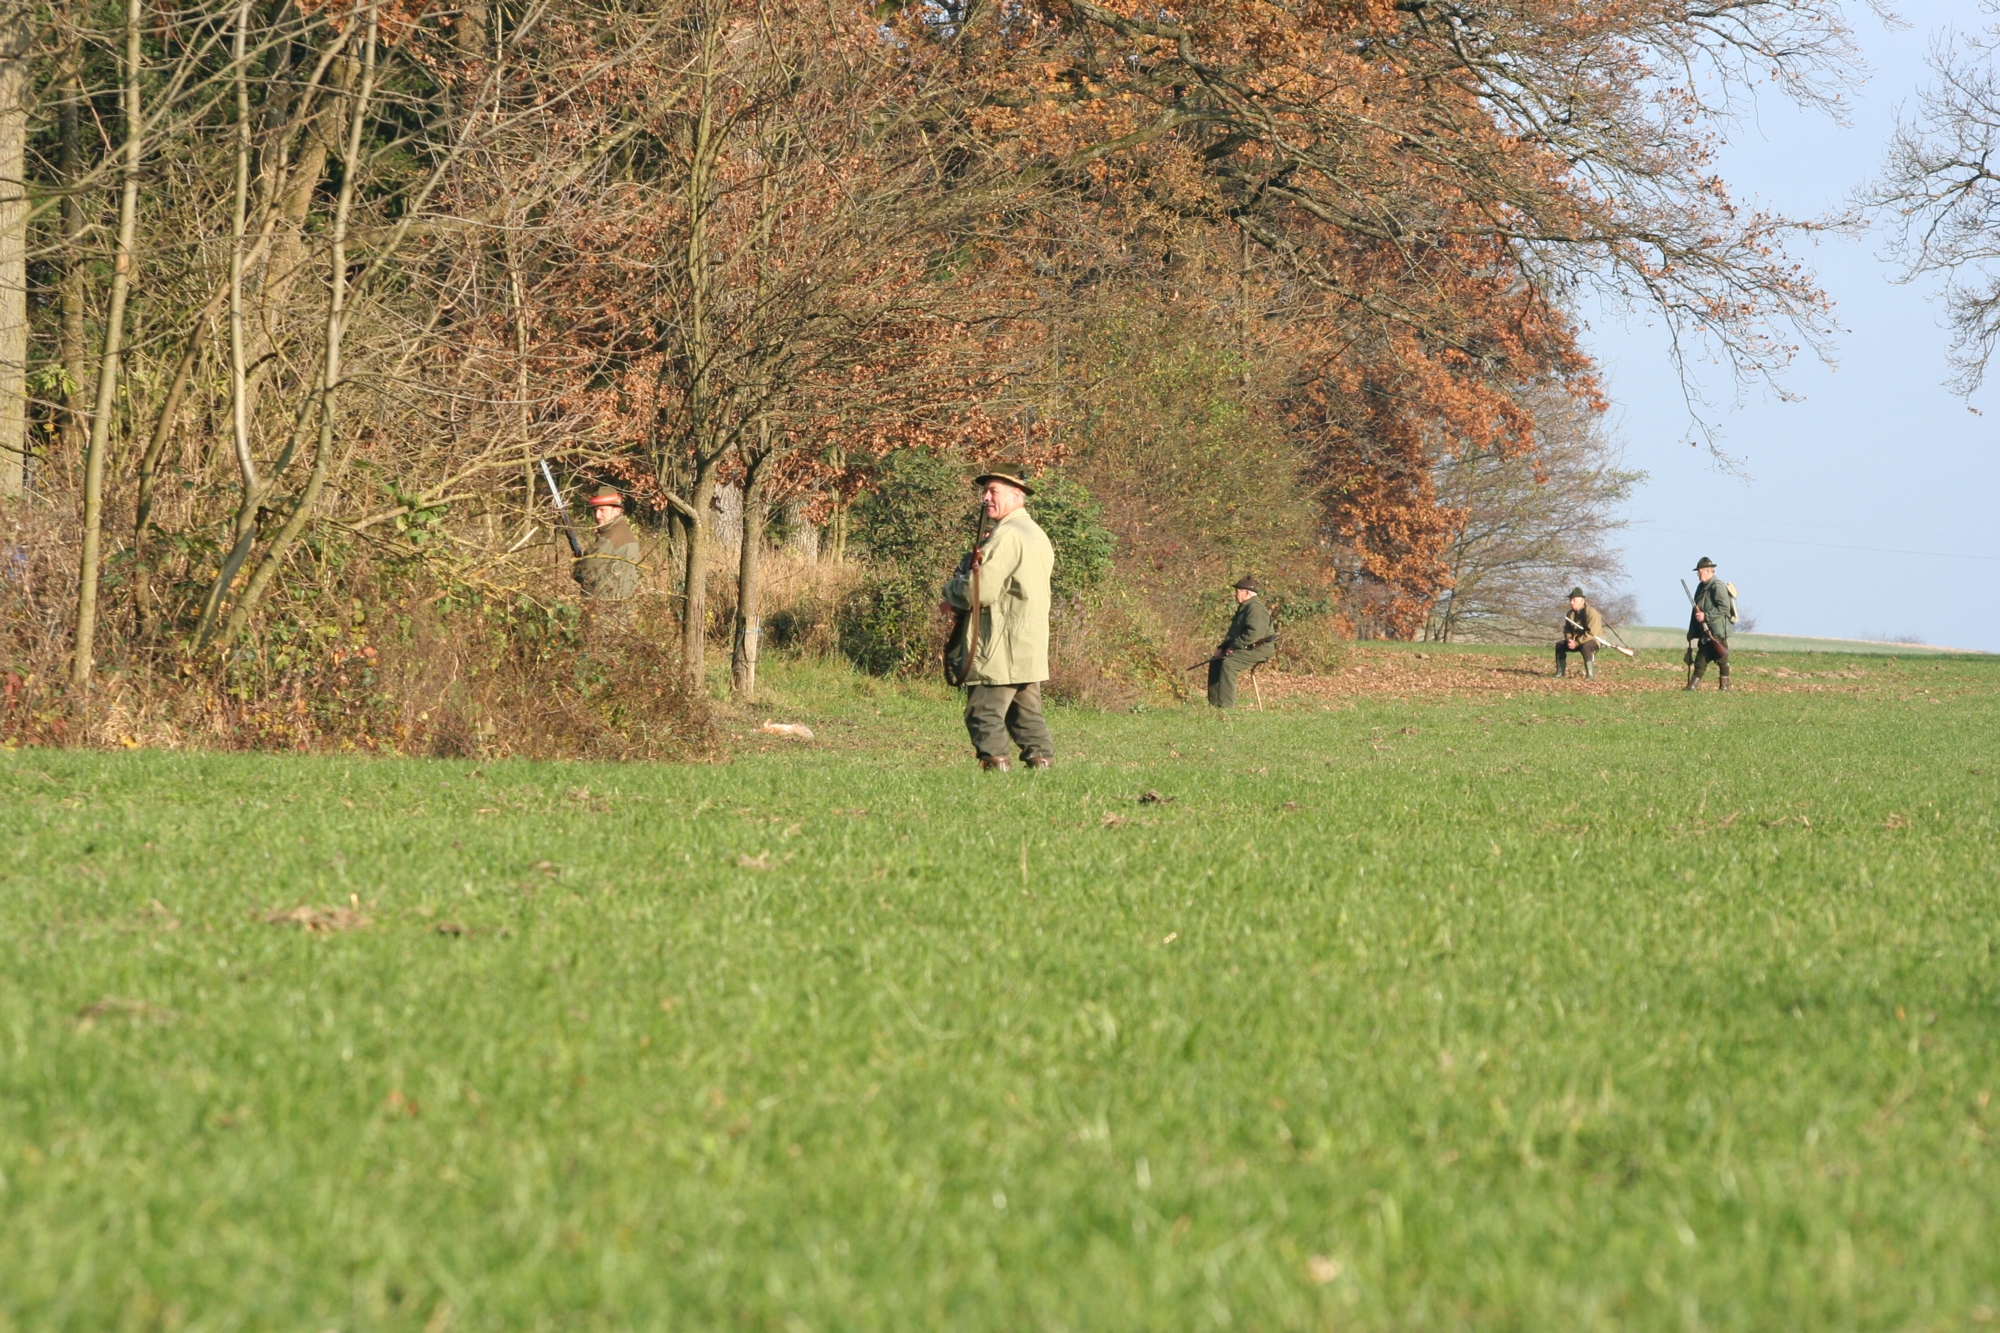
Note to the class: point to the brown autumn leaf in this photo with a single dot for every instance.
(115, 1006)
(318, 920)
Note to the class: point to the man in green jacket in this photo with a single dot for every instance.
(1708, 627)
(1251, 639)
(1008, 578)
(1582, 630)
(609, 570)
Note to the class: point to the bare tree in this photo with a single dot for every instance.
(1940, 192)
(112, 361)
(1532, 524)
(16, 43)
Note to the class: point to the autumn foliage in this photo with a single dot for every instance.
(391, 256)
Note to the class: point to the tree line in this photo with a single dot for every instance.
(292, 287)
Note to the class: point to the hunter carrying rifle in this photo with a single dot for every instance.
(1251, 641)
(1714, 606)
(609, 571)
(999, 603)
(1582, 631)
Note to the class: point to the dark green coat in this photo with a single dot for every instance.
(609, 570)
(1713, 599)
(1251, 626)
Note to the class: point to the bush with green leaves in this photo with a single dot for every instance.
(888, 625)
(915, 524)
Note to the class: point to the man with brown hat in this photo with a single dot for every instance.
(1582, 630)
(609, 570)
(1004, 588)
(1252, 639)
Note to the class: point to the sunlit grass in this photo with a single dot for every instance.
(1638, 1012)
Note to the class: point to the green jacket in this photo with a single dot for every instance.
(609, 570)
(1590, 618)
(1713, 600)
(1013, 575)
(1249, 632)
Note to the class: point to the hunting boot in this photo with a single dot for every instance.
(1589, 669)
(1722, 680)
(995, 763)
(1038, 763)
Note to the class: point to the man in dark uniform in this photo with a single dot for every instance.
(1582, 628)
(1708, 627)
(1251, 639)
(609, 570)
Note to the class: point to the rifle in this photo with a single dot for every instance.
(961, 645)
(1582, 634)
(1226, 652)
(562, 510)
(1721, 646)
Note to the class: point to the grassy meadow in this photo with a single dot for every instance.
(1452, 1002)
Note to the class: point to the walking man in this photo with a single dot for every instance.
(1582, 629)
(609, 570)
(1708, 627)
(1007, 579)
(1252, 639)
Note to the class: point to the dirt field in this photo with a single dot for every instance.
(1401, 671)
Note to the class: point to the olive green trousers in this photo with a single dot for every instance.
(996, 713)
(1223, 671)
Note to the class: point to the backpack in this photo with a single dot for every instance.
(1733, 617)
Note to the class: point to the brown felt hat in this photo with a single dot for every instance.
(607, 495)
(1014, 474)
(1248, 583)
(1703, 563)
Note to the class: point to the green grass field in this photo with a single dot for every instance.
(1616, 1010)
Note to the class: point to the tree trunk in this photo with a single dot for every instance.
(16, 34)
(76, 398)
(149, 469)
(109, 364)
(283, 241)
(336, 332)
(749, 562)
(694, 621)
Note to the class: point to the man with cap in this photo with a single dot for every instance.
(1582, 630)
(1708, 626)
(1007, 578)
(609, 570)
(1251, 639)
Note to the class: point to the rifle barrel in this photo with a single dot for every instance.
(562, 511)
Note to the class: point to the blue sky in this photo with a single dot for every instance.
(1867, 507)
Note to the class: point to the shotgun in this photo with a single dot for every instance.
(961, 645)
(1721, 646)
(1225, 652)
(562, 511)
(1582, 634)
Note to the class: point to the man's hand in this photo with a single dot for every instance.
(945, 607)
(1701, 615)
(1569, 644)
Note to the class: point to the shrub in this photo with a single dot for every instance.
(889, 624)
(1075, 524)
(915, 525)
